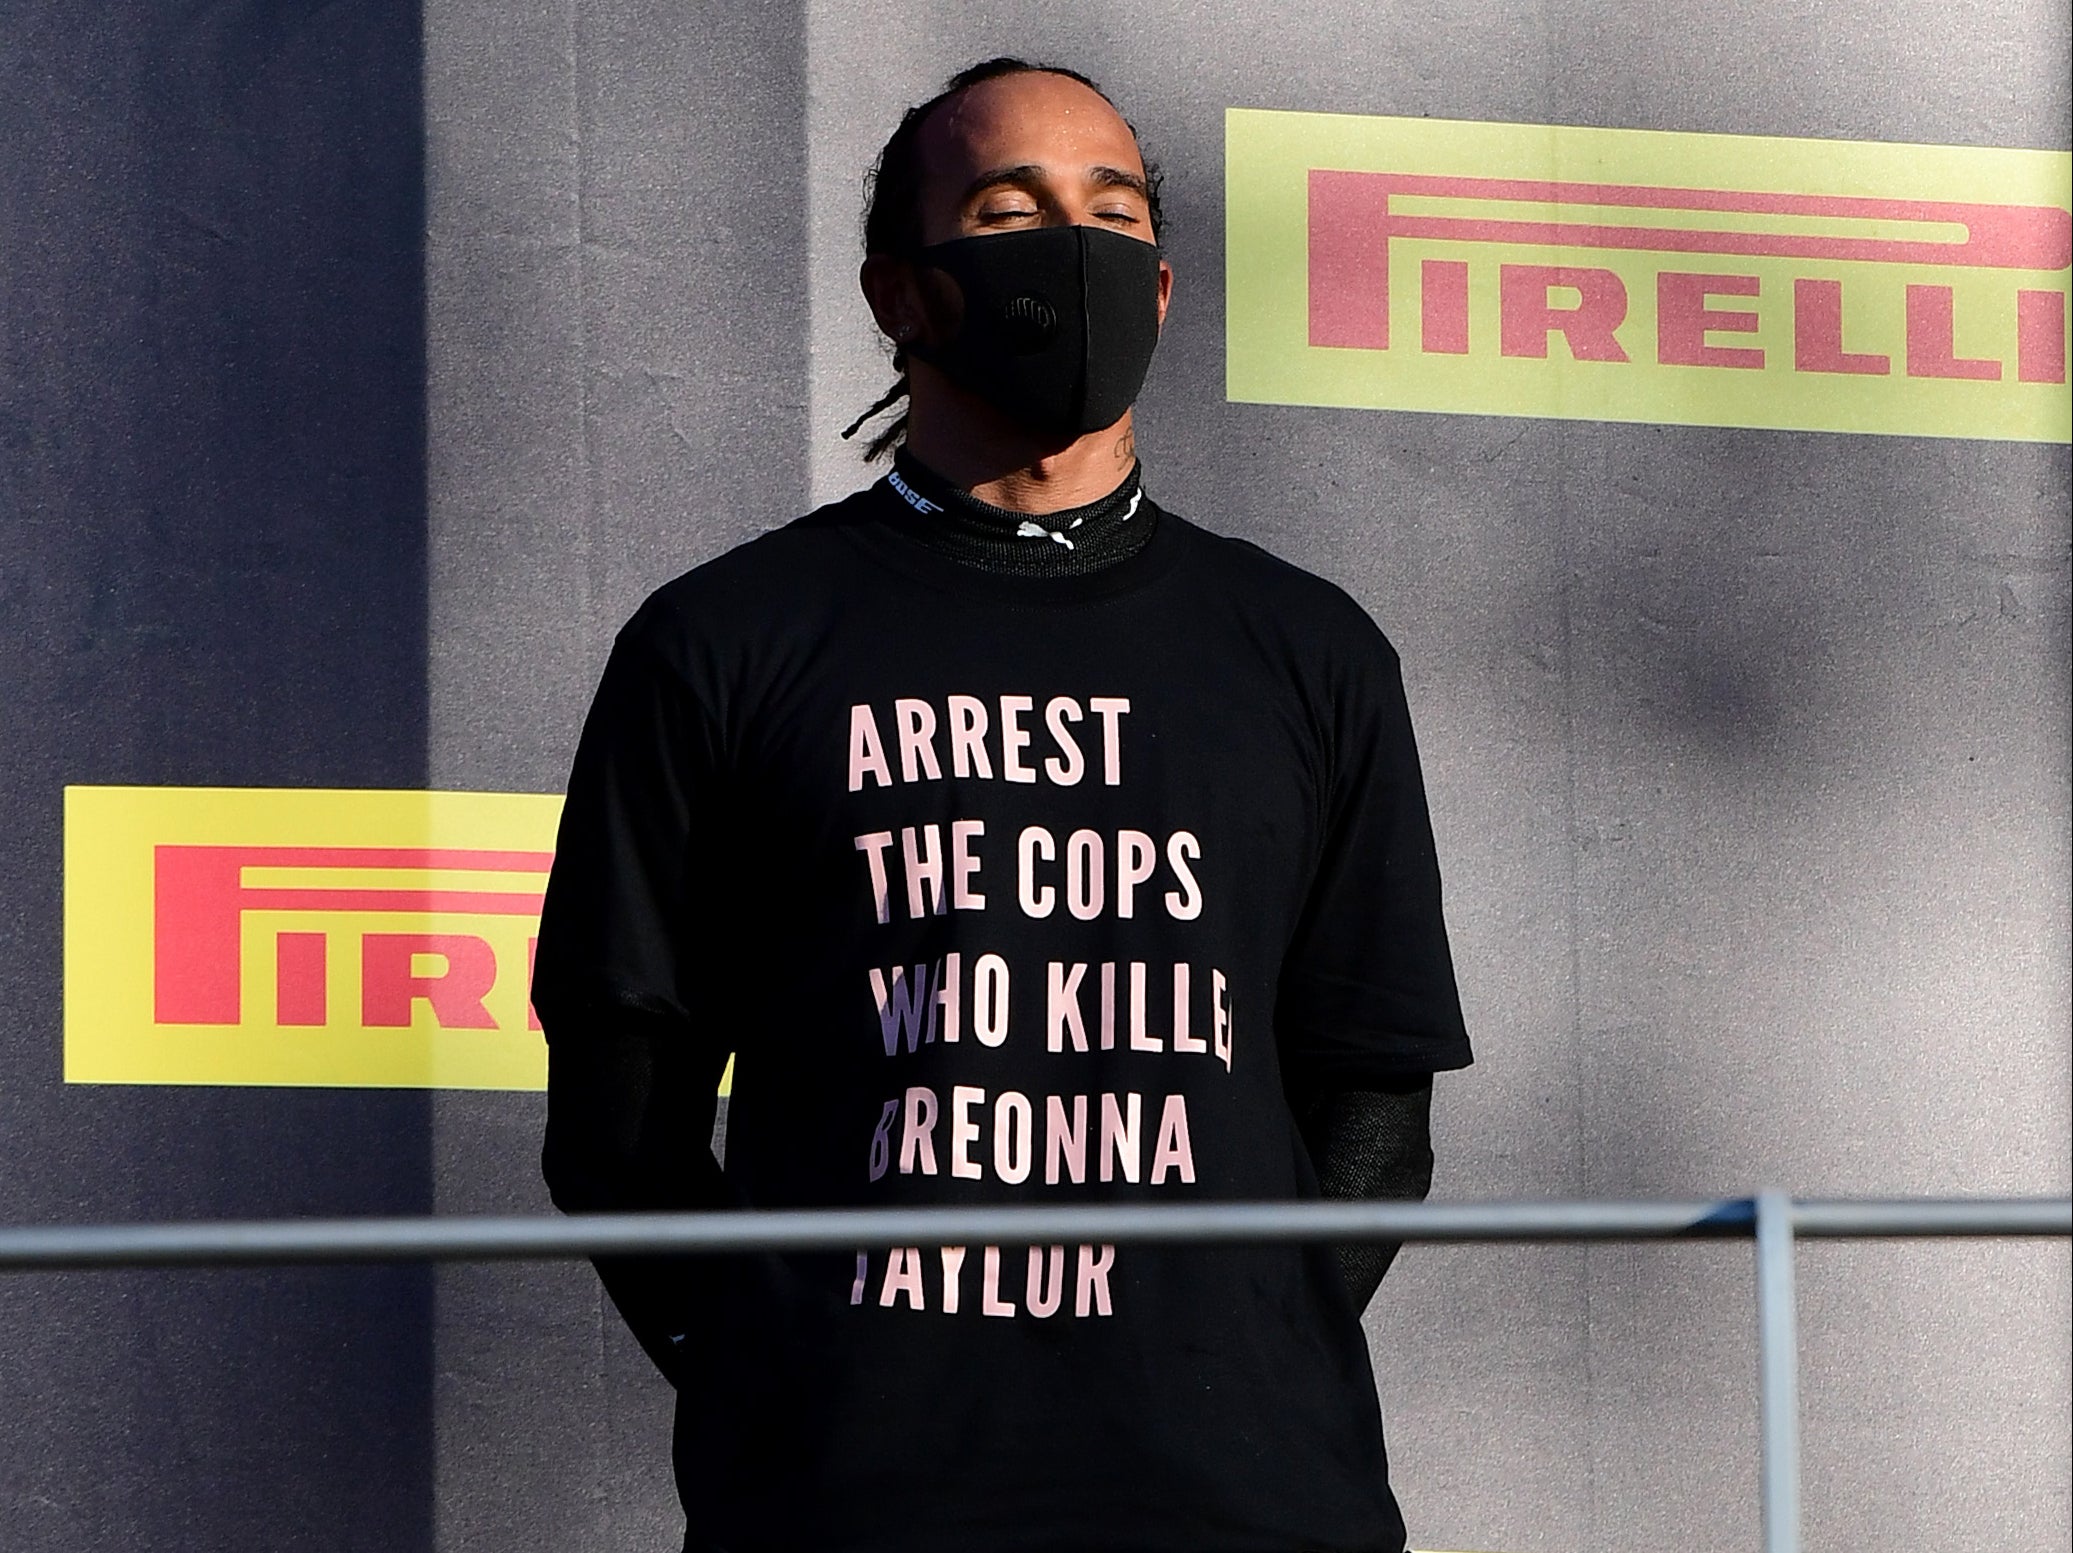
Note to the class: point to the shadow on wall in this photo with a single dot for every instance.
(1820, 614)
(1722, 666)
(214, 486)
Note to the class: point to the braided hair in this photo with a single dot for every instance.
(892, 212)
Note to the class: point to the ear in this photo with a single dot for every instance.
(1165, 291)
(889, 286)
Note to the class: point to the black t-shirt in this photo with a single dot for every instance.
(1013, 890)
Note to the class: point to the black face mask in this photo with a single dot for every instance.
(1059, 323)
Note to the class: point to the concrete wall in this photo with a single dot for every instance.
(363, 368)
(212, 568)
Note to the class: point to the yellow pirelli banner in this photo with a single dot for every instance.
(242, 936)
(1630, 275)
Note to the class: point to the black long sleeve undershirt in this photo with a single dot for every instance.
(1370, 1145)
(630, 1106)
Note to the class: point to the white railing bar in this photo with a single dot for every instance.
(1775, 1220)
(1777, 1351)
(455, 1238)
(1876, 1218)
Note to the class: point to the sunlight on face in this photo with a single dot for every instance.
(1030, 150)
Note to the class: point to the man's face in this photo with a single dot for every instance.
(1027, 150)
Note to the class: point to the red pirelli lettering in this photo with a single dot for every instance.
(1528, 313)
(200, 898)
(1352, 222)
(1817, 332)
(2040, 336)
(300, 978)
(1685, 316)
(1932, 331)
(390, 983)
(1443, 298)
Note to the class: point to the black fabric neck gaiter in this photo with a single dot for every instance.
(1070, 543)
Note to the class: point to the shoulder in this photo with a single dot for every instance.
(797, 555)
(770, 582)
(1282, 598)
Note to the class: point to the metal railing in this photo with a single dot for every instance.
(1777, 1223)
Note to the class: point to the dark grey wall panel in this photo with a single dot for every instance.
(212, 570)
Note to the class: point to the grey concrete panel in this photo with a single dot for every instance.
(617, 324)
(1748, 751)
(553, 1428)
(1749, 766)
(863, 72)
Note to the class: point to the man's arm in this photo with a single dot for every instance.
(630, 1105)
(1369, 1145)
(1368, 1008)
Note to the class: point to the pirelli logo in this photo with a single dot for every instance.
(218, 936)
(1628, 275)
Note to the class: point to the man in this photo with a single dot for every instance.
(1025, 843)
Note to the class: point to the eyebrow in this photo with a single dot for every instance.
(1029, 176)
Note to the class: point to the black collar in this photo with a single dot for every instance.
(1070, 543)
